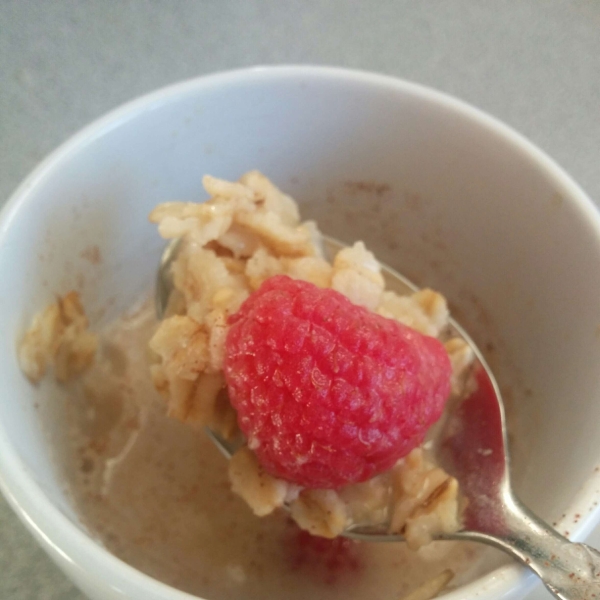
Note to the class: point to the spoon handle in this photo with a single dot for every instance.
(569, 570)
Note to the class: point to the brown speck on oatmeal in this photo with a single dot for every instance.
(92, 254)
(367, 187)
(87, 465)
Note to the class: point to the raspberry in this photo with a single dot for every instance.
(327, 392)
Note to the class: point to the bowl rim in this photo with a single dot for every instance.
(54, 530)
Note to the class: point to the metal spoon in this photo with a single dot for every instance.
(471, 447)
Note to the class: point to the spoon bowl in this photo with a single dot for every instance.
(471, 445)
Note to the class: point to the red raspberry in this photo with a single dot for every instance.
(327, 392)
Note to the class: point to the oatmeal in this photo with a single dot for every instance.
(58, 337)
(247, 233)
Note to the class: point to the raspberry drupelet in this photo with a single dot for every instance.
(327, 392)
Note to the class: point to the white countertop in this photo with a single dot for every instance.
(533, 63)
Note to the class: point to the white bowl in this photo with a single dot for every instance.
(439, 190)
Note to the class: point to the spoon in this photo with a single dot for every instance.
(472, 447)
